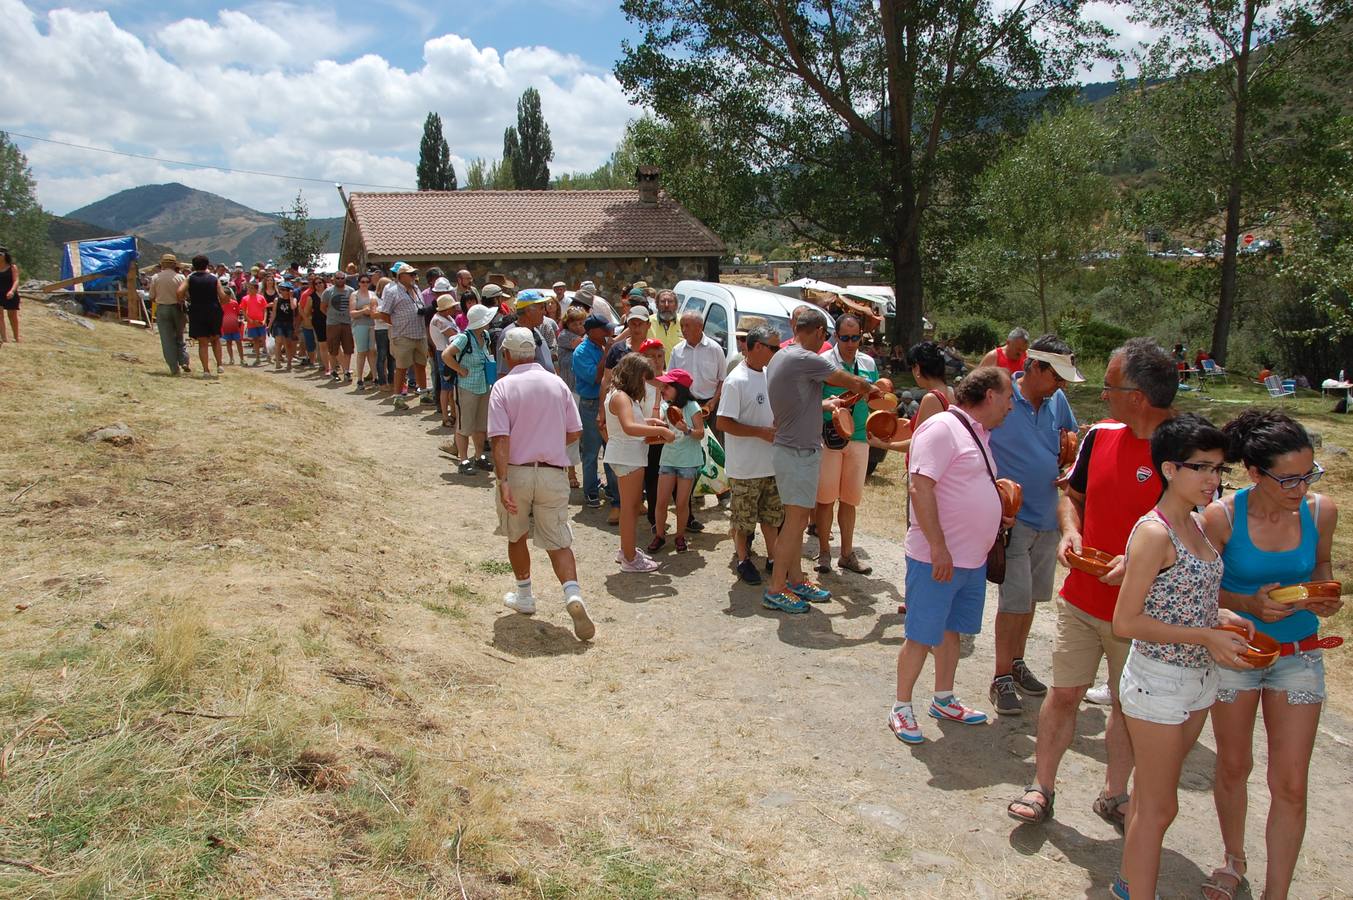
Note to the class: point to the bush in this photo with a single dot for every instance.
(1091, 338)
(977, 336)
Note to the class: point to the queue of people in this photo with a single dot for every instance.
(538, 385)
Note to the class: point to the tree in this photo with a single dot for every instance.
(1044, 199)
(298, 242)
(505, 173)
(476, 174)
(23, 222)
(1240, 105)
(435, 171)
(531, 161)
(500, 175)
(856, 117)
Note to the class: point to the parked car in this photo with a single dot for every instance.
(724, 305)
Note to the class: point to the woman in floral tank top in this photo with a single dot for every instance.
(1168, 606)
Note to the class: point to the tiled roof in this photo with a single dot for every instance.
(467, 224)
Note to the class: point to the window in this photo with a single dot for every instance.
(693, 303)
(716, 324)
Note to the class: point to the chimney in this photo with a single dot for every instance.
(648, 179)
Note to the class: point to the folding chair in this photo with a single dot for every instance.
(1279, 389)
(1212, 370)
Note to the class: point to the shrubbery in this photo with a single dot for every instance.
(976, 335)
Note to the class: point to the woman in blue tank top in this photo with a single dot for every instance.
(1274, 533)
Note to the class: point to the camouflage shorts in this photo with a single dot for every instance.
(755, 501)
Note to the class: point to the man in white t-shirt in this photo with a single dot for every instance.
(748, 426)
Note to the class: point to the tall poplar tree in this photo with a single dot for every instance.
(435, 171)
(531, 164)
(504, 173)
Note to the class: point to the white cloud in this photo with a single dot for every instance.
(231, 92)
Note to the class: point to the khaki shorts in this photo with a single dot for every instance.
(1080, 642)
(339, 337)
(409, 352)
(472, 412)
(541, 493)
(842, 474)
(754, 501)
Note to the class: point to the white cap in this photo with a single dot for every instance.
(637, 313)
(518, 342)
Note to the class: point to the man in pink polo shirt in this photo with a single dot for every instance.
(955, 516)
(532, 420)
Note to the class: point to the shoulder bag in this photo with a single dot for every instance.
(996, 555)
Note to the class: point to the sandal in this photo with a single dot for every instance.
(1110, 809)
(851, 563)
(1219, 889)
(1042, 809)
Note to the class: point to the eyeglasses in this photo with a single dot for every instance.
(1113, 387)
(1290, 482)
(849, 338)
(1205, 468)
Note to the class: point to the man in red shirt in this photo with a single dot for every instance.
(1010, 355)
(1112, 484)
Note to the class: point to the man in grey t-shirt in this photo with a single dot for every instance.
(794, 382)
(335, 303)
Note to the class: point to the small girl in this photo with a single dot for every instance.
(629, 424)
(1168, 606)
(680, 462)
(230, 324)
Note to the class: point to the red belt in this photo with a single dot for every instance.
(1314, 642)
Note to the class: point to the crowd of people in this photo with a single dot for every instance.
(1003, 485)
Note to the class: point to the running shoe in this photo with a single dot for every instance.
(592, 502)
(583, 629)
(748, 573)
(640, 564)
(1004, 697)
(953, 710)
(525, 606)
(693, 526)
(637, 552)
(902, 722)
(1099, 695)
(485, 462)
(806, 590)
(784, 603)
(466, 467)
(1026, 681)
(426, 398)
(401, 401)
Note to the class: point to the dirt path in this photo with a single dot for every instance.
(756, 743)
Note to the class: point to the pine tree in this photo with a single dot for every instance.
(435, 172)
(506, 171)
(298, 242)
(531, 163)
(23, 223)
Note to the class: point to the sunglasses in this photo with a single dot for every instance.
(849, 338)
(1205, 468)
(1290, 482)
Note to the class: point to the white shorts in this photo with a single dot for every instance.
(1166, 694)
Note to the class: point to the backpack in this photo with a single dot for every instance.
(490, 364)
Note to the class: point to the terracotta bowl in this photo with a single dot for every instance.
(849, 398)
(674, 415)
(887, 402)
(1067, 455)
(1012, 496)
(1263, 650)
(1308, 590)
(843, 420)
(882, 424)
(885, 385)
(1089, 560)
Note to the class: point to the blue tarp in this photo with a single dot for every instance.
(112, 256)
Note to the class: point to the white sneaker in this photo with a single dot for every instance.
(640, 564)
(1099, 695)
(525, 606)
(583, 628)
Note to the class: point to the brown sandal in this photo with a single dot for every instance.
(1110, 809)
(1042, 809)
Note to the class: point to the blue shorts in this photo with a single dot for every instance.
(259, 331)
(934, 608)
(687, 472)
(308, 334)
(1301, 676)
(361, 339)
(230, 336)
(284, 330)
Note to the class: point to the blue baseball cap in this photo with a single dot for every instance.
(286, 286)
(595, 322)
(401, 268)
(529, 298)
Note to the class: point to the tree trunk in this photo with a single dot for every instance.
(1221, 329)
(906, 259)
(1043, 294)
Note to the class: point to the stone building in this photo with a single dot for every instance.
(611, 237)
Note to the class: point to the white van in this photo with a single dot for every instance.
(724, 305)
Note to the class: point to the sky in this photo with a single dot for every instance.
(335, 91)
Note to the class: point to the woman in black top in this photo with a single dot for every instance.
(318, 320)
(204, 294)
(9, 294)
(283, 326)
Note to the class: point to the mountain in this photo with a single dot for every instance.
(192, 222)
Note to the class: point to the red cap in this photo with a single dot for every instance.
(677, 376)
(651, 344)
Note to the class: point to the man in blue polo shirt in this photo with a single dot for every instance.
(587, 372)
(1026, 447)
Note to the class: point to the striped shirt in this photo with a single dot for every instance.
(401, 305)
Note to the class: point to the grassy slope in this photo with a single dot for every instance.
(238, 562)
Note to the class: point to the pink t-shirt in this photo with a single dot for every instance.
(535, 409)
(970, 509)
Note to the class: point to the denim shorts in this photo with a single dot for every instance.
(256, 332)
(687, 472)
(934, 607)
(230, 336)
(1162, 692)
(1301, 675)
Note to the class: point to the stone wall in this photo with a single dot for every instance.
(610, 275)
